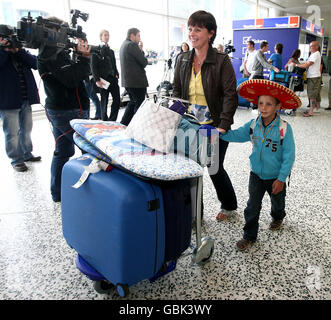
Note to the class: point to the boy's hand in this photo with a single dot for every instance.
(221, 130)
(277, 187)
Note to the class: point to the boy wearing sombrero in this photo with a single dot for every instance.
(273, 152)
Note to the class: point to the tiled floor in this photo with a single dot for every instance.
(293, 263)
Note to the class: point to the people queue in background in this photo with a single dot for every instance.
(252, 67)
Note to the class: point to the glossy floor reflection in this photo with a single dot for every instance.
(293, 263)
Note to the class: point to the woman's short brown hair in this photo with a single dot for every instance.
(203, 19)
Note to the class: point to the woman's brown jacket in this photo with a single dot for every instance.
(218, 81)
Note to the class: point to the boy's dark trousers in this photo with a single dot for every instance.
(257, 188)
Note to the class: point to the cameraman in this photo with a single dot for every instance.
(18, 91)
(66, 99)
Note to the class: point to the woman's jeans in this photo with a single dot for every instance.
(257, 188)
(220, 178)
(17, 128)
(64, 143)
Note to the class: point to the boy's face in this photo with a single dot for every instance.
(268, 107)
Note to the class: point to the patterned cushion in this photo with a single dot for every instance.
(107, 139)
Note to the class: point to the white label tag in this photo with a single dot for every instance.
(95, 166)
(81, 180)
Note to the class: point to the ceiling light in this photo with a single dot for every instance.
(307, 1)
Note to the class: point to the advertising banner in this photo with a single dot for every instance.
(267, 23)
(312, 28)
(288, 37)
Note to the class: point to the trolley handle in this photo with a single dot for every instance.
(171, 98)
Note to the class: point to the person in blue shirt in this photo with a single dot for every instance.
(273, 152)
(276, 59)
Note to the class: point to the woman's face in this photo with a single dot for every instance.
(184, 47)
(105, 37)
(199, 36)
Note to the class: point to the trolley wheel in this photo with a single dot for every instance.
(122, 289)
(203, 254)
(103, 286)
(205, 260)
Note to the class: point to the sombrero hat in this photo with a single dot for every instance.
(252, 89)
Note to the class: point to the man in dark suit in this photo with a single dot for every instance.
(18, 91)
(133, 74)
(104, 66)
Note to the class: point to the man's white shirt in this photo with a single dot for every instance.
(314, 71)
(249, 57)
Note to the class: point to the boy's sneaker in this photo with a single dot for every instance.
(20, 167)
(243, 244)
(275, 225)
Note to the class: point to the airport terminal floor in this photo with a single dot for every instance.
(290, 264)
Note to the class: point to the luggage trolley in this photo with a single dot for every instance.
(202, 251)
(296, 80)
(292, 79)
(164, 89)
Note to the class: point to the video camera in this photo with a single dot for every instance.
(8, 33)
(43, 34)
(228, 48)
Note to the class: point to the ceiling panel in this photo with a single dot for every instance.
(288, 4)
(299, 7)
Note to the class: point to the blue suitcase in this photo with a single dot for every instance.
(115, 222)
(178, 217)
(241, 101)
(124, 229)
